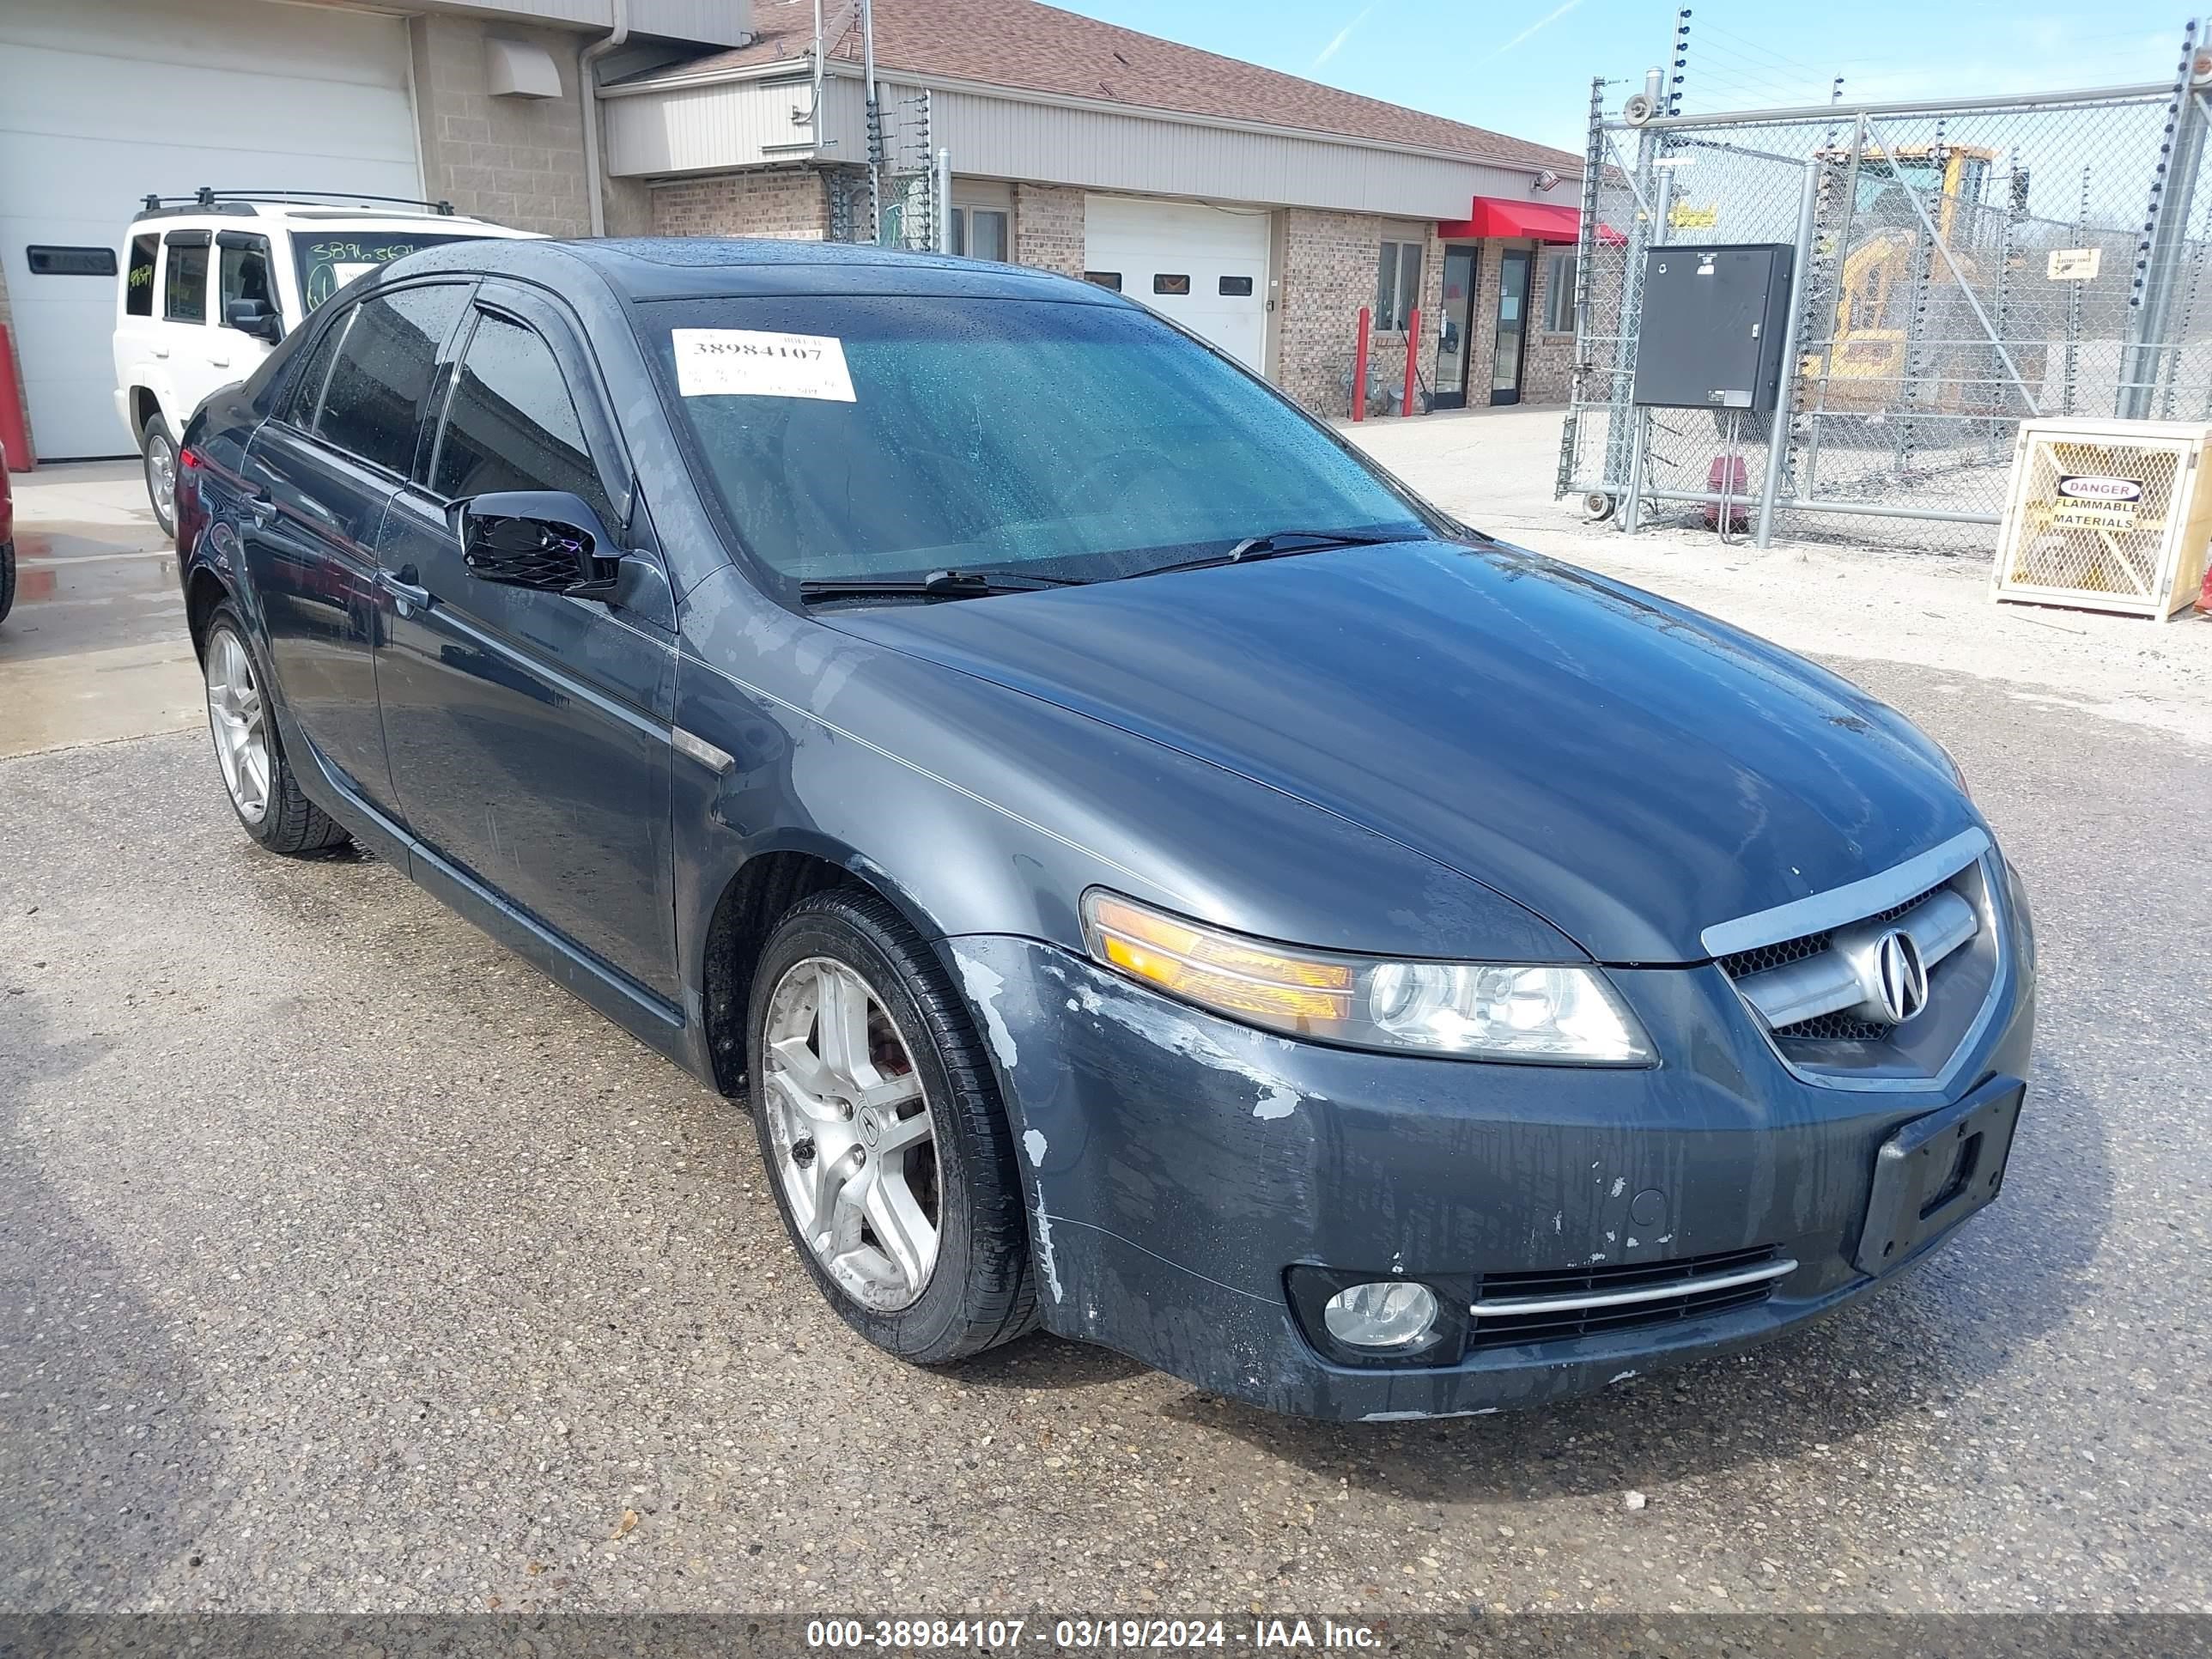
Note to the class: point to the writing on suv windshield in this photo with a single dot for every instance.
(882, 440)
(328, 263)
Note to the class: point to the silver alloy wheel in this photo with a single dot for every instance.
(237, 719)
(851, 1138)
(161, 476)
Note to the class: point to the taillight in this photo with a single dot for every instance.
(189, 460)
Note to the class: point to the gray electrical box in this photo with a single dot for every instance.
(1710, 335)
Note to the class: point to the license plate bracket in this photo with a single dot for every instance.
(1937, 1170)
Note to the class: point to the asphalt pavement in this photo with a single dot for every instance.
(347, 1264)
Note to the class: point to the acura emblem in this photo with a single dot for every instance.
(1901, 978)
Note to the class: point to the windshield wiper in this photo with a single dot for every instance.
(1273, 546)
(937, 584)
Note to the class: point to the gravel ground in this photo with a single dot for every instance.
(345, 1264)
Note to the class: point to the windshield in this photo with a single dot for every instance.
(871, 437)
(330, 260)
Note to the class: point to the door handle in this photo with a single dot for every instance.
(161, 351)
(219, 362)
(261, 504)
(406, 583)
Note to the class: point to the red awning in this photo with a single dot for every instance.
(1499, 215)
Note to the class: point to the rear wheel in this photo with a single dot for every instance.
(7, 579)
(887, 1150)
(262, 789)
(159, 449)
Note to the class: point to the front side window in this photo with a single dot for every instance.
(512, 424)
(242, 273)
(1397, 285)
(1559, 294)
(138, 278)
(311, 371)
(1071, 439)
(373, 402)
(184, 287)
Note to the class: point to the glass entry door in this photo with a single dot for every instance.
(1513, 271)
(1456, 337)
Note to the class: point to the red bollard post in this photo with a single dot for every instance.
(1360, 368)
(1413, 345)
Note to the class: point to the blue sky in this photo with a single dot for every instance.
(1524, 66)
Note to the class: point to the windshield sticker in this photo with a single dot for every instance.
(744, 362)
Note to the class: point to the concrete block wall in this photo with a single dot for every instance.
(518, 160)
(1049, 228)
(787, 205)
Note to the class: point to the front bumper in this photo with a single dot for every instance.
(1177, 1166)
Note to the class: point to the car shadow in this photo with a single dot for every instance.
(1041, 1360)
(1952, 1321)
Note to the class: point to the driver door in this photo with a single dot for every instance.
(528, 731)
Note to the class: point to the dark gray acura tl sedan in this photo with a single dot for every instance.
(1147, 874)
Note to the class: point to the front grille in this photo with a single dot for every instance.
(1835, 1028)
(1564, 1323)
(1757, 961)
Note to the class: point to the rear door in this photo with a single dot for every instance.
(529, 732)
(320, 474)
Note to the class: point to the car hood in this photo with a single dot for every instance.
(1631, 771)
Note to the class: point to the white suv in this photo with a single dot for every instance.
(212, 282)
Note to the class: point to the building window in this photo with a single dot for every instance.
(1236, 287)
(1164, 284)
(1559, 294)
(1397, 286)
(979, 233)
(1104, 279)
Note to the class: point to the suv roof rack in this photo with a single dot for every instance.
(207, 200)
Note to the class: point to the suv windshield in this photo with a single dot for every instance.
(879, 437)
(328, 260)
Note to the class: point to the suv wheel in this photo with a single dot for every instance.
(262, 790)
(159, 449)
(7, 579)
(887, 1150)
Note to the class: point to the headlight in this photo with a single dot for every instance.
(1543, 1011)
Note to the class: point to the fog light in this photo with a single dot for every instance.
(1387, 1314)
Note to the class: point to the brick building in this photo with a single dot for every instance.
(1259, 209)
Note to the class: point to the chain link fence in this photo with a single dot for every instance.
(1960, 267)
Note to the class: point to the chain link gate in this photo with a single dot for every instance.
(1960, 267)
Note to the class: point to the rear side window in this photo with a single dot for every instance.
(138, 278)
(512, 424)
(372, 403)
(184, 290)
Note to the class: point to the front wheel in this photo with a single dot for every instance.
(888, 1152)
(159, 449)
(263, 790)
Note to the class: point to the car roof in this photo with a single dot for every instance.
(646, 269)
(323, 215)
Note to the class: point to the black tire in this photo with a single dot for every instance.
(982, 1291)
(7, 579)
(291, 823)
(155, 441)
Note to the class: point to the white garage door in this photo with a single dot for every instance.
(108, 101)
(1207, 267)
